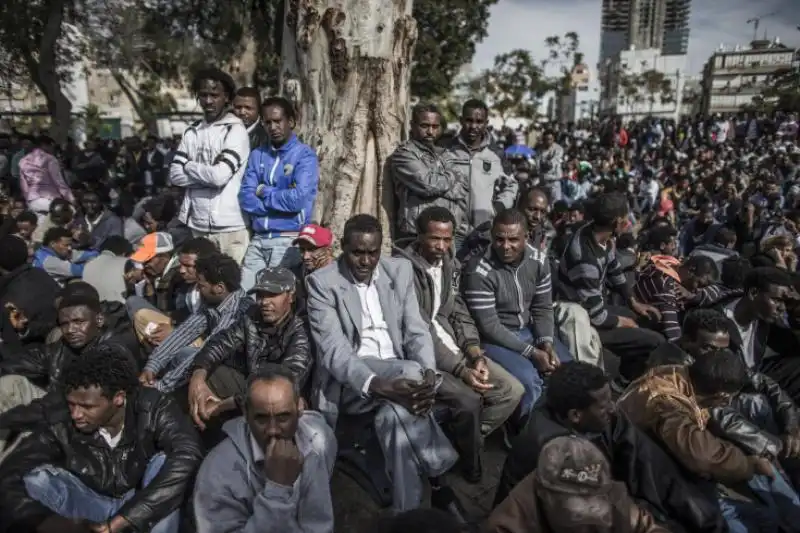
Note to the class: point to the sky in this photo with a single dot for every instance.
(526, 23)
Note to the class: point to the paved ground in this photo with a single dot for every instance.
(355, 510)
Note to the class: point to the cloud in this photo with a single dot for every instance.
(526, 24)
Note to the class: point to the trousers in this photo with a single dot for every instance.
(414, 447)
(63, 493)
(14, 391)
(266, 252)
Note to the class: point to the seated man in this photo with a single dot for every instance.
(571, 490)
(721, 247)
(672, 403)
(665, 282)
(314, 243)
(28, 373)
(480, 393)
(272, 473)
(218, 280)
(57, 258)
(508, 291)
(578, 401)
(270, 332)
(375, 355)
(114, 455)
(588, 264)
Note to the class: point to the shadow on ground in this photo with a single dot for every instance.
(355, 511)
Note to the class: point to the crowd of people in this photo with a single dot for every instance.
(185, 349)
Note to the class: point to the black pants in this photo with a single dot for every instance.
(463, 421)
(785, 369)
(633, 346)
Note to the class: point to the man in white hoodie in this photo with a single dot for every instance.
(209, 164)
(272, 473)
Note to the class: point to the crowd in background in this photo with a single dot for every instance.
(185, 349)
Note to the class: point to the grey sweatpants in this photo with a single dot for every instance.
(14, 391)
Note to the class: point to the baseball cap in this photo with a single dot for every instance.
(315, 235)
(152, 245)
(274, 280)
(575, 480)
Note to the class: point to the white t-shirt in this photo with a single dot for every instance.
(435, 271)
(747, 333)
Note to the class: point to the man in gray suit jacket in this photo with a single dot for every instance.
(375, 354)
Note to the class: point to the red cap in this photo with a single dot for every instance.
(315, 235)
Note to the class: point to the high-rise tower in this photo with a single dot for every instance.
(661, 24)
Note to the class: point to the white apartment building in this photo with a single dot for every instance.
(625, 94)
(734, 75)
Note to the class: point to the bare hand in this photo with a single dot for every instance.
(791, 446)
(548, 348)
(763, 467)
(625, 322)
(474, 380)
(201, 399)
(412, 395)
(646, 310)
(543, 362)
(482, 368)
(148, 378)
(282, 462)
(159, 334)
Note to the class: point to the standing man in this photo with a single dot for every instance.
(247, 106)
(278, 192)
(422, 176)
(551, 157)
(210, 163)
(492, 186)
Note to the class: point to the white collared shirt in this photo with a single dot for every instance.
(435, 272)
(111, 441)
(375, 338)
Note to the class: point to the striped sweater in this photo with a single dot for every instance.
(504, 299)
(657, 285)
(584, 270)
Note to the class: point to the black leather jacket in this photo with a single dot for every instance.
(258, 136)
(249, 342)
(653, 478)
(153, 424)
(728, 422)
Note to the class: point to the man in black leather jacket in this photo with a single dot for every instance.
(114, 456)
(27, 374)
(271, 332)
(762, 419)
(579, 401)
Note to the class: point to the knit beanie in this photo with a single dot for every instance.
(13, 252)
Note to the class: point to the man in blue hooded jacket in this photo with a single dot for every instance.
(278, 192)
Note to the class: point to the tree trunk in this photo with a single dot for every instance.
(130, 93)
(346, 64)
(42, 69)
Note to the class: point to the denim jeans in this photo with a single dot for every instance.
(266, 252)
(523, 369)
(778, 506)
(66, 495)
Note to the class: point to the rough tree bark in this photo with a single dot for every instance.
(42, 69)
(346, 64)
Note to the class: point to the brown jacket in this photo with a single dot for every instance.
(520, 512)
(662, 403)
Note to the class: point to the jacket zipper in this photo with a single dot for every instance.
(519, 295)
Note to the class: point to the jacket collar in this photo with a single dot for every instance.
(285, 147)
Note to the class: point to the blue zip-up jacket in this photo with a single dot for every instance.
(290, 175)
(60, 269)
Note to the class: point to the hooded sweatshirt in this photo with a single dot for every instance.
(232, 492)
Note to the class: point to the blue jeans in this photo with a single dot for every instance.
(778, 505)
(523, 369)
(266, 252)
(66, 495)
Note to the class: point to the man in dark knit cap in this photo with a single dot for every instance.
(27, 312)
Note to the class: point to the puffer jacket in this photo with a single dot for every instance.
(209, 164)
(490, 179)
(153, 424)
(249, 342)
(452, 315)
(423, 177)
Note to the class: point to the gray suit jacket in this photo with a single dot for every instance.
(334, 313)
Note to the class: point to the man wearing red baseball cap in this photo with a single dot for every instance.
(314, 243)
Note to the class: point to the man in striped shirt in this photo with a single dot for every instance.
(589, 263)
(224, 301)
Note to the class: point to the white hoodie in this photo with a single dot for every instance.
(209, 163)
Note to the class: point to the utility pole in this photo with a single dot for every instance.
(678, 95)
